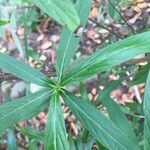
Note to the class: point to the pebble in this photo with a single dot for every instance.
(54, 38)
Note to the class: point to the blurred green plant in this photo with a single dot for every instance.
(105, 132)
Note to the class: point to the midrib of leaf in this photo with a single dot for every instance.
(62, 66)
(18, 68)
(96, 122)
(60, 139)
(54, 122)
(55, 114)
(28, 73)
(24, 105)
(92, 63)
(63, 60)
(17, 41)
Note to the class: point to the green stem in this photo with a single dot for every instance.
(25, 35)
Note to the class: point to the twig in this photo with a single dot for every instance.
(137, 94)
(128, 24)
(25, 36)
(104, 27)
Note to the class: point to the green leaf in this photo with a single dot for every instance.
(68, 44)
(100, 146)
(83, 8)
(61, 11)
(69, 41)
(107, 90)
(3, 22)
(88, 145)
(115, 113)
(107, 58)
(83, 91)
(32, 145)
(17, 42)
(55, 133)
(23, 108)
(133, 108)
(119, 118)
(34, 55)
(33, 133)
(13, 20)
(147, 114)
(111, 9)
(102, 128)
(23, 71)
(72, 144)
(141, 75)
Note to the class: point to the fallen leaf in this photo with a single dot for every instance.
(46, 45)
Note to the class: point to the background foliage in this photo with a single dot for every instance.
(102, 122)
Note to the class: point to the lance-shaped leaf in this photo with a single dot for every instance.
(61, 11)
(108, 57)
(23, 108)
(33, 133)
(55, 133)
(119, 118)
(111, 9)
(3, 22)
(102, 128)
(107, 90)
(17, 42)
(69, 40)
(141, 75)
(23, 71)
(32, 145)
(114, 111)
(147, 114)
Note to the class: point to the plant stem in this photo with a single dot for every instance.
(25, 35)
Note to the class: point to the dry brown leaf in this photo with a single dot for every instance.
(137, 9)
(90, 96)
(46, 45)
(139, 1)
(40, 37)
(94, 12)
(90, 34)
(74, 128)
(142, 5)
(133, 20)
